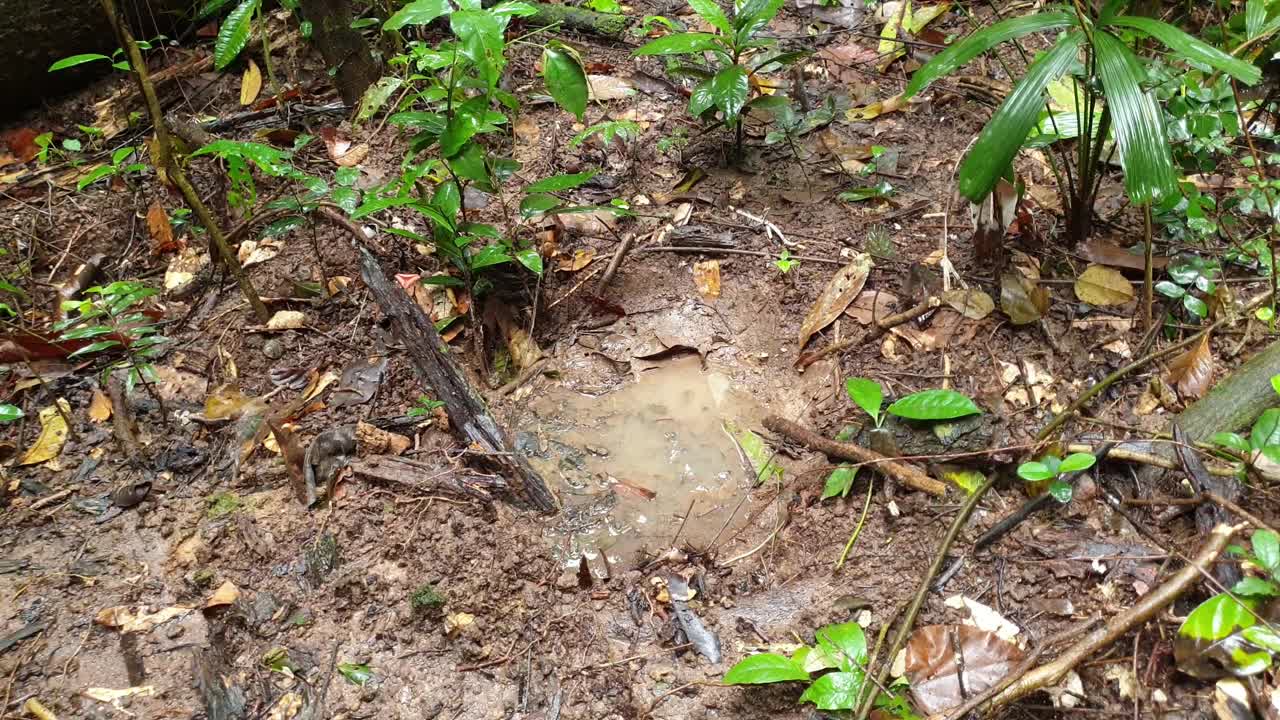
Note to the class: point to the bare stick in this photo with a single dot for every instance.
(880, 328)
(172, 170)
(1147, 607)
(1142, 458)
(904, 474)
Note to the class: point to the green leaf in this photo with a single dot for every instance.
(881, 189)
(1255, 587)
(1195, 306)
(471, 163)
(419, 12)
(75, 60)
(373, 206)
(971, 47)
(1275, 383)
(752, 16)
(1061, 491)
(680, 44)
(1002, 136)
(1266, 550)
(234, 34)
(756, 450)
(933, 405)
(1170, 290)
(447, 199)
(701, 99)
(283, 226)
(1266, 429)
(556, 183)
(1231, 441)
(1035, 471)
(376, 96)
(94, 347)
(565, 79)
(489, 255)
(346, 176)
(537, 204)
(1218, 617)
(708, 10)
(1188, 47)
(839, 482)
(846, 643)
(10, 412)
(530, 259)
(85, 332)
(482, 43)
(764, 668)
(1076, 462)
(346, 198)
(468, 119)
(729, 91)
(356, 673)
(835, 691)
(866, 394)
(94, 176)
(1255, 17)
(1136, 122)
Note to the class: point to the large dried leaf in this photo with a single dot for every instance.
(53, 434)
(160, 230)
(1105, 253)
(250, 83)
(99, 407)
(1102, 286)
(841, 291)
(872, 306)
(933, 671)
(134, 620)
(970, 302)
(1192, 371)
(1022, 299)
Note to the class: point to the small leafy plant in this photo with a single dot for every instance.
(936, 404)
(785, 263)
(1191, 274)
(114, 58)
(726, 84)
(10, 413)
(1051, 468)
(424, 406)
(111, 316)
(1227, 626)
(1263, 443)
(118, 167)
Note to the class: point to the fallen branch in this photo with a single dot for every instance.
(610, 25)
(904, 474)
(425, 478)
(880, 328)
(1141, 458)
(1147, 607)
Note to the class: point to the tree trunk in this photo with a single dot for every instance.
(343, 49)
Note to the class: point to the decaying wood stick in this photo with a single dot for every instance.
(1147, 607)
(400, 471)
(904, 474)
(1134, 456)
(880, 328)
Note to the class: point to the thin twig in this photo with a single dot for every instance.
(880, 328)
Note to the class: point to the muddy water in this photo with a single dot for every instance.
(627, 464)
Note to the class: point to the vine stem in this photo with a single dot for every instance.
(163, 158)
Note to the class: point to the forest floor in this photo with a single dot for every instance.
(263, 599)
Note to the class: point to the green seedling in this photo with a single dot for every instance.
(10, 413)
(112, 314)
(1052, 468)
(1230, 623)
(1263, 443)
(785, 263)
(424, 406)
(118, 166)
(1188, 275)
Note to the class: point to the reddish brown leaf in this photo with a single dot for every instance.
(22, 143)
(1192, 371)
(160, 230)
(1105, 253)
(837, 296)
(932, 668)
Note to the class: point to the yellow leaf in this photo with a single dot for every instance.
(876, 109)
(925, 15)
(890, 49)
(1099, 285)
(99, 407)
(53, 433)
(971, 303)
(250, 84)
(706, 276)
(226, 594)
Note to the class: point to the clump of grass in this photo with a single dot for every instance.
(426, 598)
(223, 504)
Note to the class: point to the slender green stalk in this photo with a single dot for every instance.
(1147, 272)
(266, 52)
(871, 484)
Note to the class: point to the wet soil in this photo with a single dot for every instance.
(466, 609)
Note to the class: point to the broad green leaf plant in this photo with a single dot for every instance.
(1229, 626)
(738, 51)
(111, 316)
(1113, 102)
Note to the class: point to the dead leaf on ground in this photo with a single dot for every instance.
(610, 87)
(183, 267)
(970, 302)
(991, 220)
(53, 434)
(580, 259)
(226, 594)
(255, 252)
(706, 276)
(342, 151)
(599, 222)
(250, 84)
(132, 620)
(22, 143)
(849, 155)
(1022, 299)
(1192, 371)
(837, 296)
(371, 440)
(113, 696)
(872, 306)
(160, 230)
(524, 349)
(1105, 253)
(99, 407)
(225, 402)
(360, 380)
(934, 673)
(1101, 286)
(876, 109)
(287, 320)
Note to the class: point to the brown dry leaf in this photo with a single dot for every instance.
(160, 230)
(99, 407)
(523, 348)
(53, 434)
(114, 696)
(21, 142)
(226, 594)
(1105, 253)
(371, 440)
(706, 276)
(131, 620)
(849, 156)
(933, 671)
(971, 302)
(1192, 371)
(254, 252)
(184, 266)
(342, 151)
(1021, 299)
(837, 296)
(580, 259)
(287, 320)
(250, 84)
(526, 129)
(224, 402)
(1101, 286)
(876, 109)
(609, 87)
(872, 306)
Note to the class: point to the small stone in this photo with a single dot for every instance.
(568, 580)
(273, 349)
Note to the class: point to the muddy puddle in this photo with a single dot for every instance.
(628, 464)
